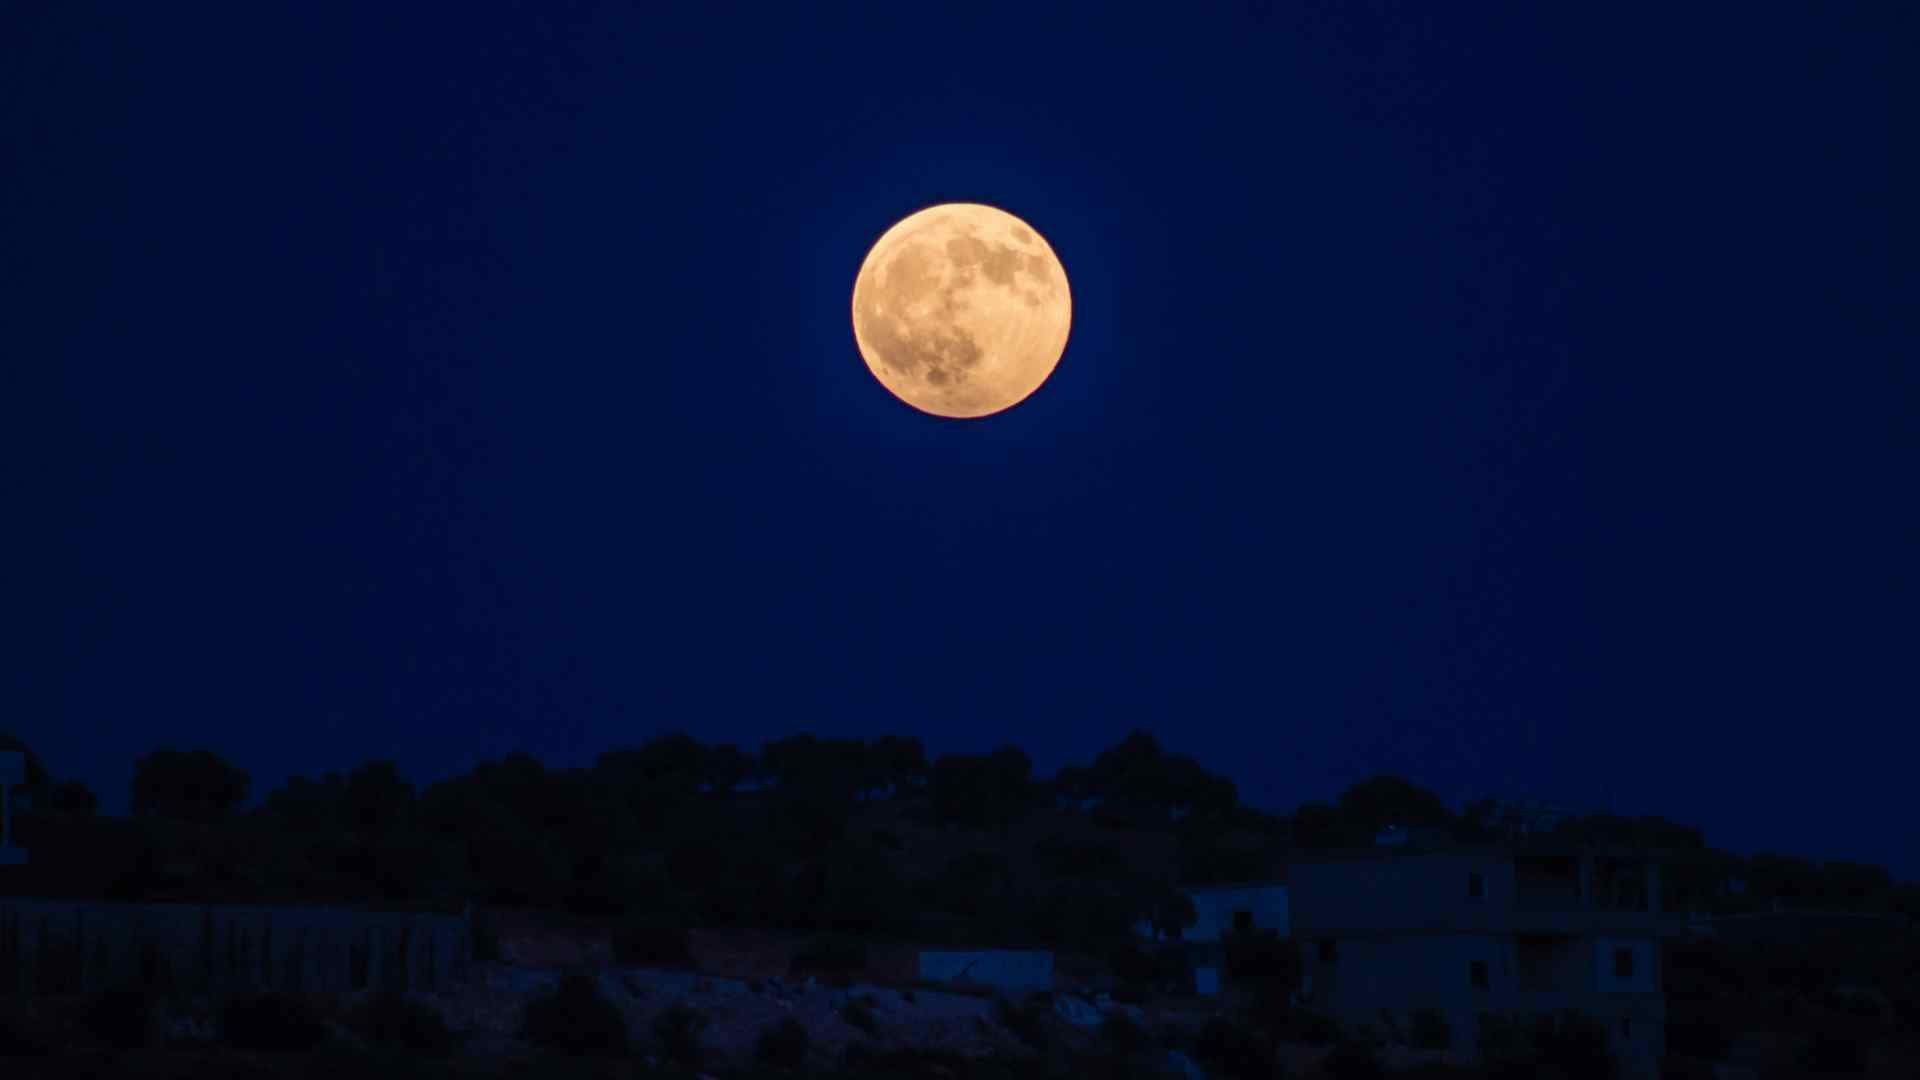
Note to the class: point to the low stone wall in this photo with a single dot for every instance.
(64, 947)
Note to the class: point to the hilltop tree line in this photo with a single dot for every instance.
(678, 832)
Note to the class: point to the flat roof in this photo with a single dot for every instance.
(1497, 851)
(1279, 882)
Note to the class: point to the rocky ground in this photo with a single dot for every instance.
(486, 1010)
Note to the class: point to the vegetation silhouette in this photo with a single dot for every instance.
(846, 842)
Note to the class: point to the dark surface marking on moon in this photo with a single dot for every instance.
(938, 355)
(1021, 234)
(998, 261)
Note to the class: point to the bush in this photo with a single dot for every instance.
(1568, 1044)
(1233, 1050)
(831, 954)
(120, 1019)
(1575, 1044)
(391, 1020)
(575, 1019)
(1697, 1039)
(1312, 1028)
(1831, 1055)
(1124, 1036)
(486, 943)
(860, 1015)
(1353, 1061)
(1427, 1030)
(863, 1059)
(783, 1045)
(678, 1032)
(22, 1034)
(1028, 1024)
(651, 944)
(271, 1023)
(1131, 964)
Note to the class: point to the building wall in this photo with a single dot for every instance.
(1214, 910)
(1644, 977)
(1409, 892)
(1381, 980)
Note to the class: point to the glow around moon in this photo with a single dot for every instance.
(961, 310)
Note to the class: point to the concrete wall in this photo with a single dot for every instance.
(1214, 910)
(1002, 969)
(1644, 976)
(1381, 980)
(1408, 892)
(59, 947)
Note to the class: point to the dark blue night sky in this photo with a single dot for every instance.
(1521, 398)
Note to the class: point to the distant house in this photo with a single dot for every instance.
(1386, 931)
(1220, 910)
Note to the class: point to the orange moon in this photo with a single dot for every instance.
(961, 310)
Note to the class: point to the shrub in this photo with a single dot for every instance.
(1131, 964)
(863, 1059)
(486, 943)
(120, 1019)
(1028, 1024)
(1575, 1044)
(1312, 1028)
(1353, 1061)
(1697, 1038)
(575, 1019)
(677, 1030)
(21, 1034)
(271, 1023)
(1427, 1030)
(1123, 1035)
(1831, 1055)
(651, 944)
(1232, 1050)
(860, 1015)
(391, 1020)
(835, 953)
(783, 1045)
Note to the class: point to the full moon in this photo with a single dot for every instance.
(961, 310)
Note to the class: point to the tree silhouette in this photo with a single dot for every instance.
(982, 791)
(1375, 803)
(192, 786)
(72, 797)
(1136, 784)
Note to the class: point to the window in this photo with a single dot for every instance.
(1477, 970)
(1476, 886)
(1328, 954)
(1242, 921)
(1623, 963)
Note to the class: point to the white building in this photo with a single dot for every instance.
(1220, 910)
